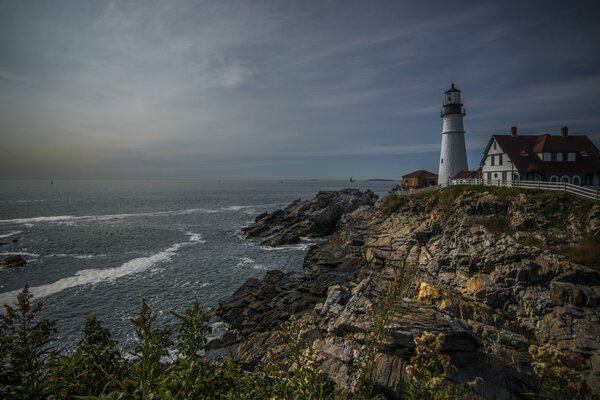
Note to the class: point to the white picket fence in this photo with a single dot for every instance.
(577, 190)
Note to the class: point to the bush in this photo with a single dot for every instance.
(25, 350)
(393, 203)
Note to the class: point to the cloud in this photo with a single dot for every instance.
(169, 87)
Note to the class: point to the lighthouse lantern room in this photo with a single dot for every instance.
(453, 157)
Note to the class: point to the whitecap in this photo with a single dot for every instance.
(78, 256)
(234, 208)
(97, 275)
(19, 253)
(9, 234)
(294, 247)
(63, 219)
(244, 261)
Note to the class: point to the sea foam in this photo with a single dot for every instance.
(97, 275)
(9, 234)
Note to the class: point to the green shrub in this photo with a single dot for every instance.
(393, 203)
(25, 352)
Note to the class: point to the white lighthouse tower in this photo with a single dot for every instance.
(453, 157)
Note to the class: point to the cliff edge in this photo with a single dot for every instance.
(503, 274)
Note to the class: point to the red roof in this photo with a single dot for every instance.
(419, 173)
(465, 175)
(523, 152)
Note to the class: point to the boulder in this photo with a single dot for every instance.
(310, 218)
(13, 261)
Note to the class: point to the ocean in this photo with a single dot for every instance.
(97, 247)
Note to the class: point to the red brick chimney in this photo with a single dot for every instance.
(564, 131)
(513, 131)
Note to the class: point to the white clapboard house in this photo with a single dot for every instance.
(553, 158)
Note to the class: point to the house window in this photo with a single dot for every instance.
(553, 157)
(494, 145)
(500, 159)
(504, 175)
(571, 157)
(493, 160)
(495, 175)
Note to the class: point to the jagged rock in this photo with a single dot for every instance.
(491, 293)
(414, 317)
(13, 261)
(311, 218)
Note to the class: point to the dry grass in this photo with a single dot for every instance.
(585, 252)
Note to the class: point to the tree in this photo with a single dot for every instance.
(25, 349)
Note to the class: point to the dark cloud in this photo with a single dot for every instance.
(281, 89)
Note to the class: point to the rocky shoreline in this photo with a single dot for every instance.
(484, 271)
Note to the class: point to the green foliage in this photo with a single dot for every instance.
(393, 203)
(295, 376)
(25, 350)
(193, 330)
(151, 345)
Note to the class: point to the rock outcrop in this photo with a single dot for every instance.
(310, 218)
(490, 270)
(13, 261)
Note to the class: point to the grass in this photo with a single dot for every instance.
(393, 202)
(585, 252)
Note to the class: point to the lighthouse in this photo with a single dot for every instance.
(453, 156)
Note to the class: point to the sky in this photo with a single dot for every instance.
(282, 89)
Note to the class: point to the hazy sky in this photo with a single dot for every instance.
(282, 89)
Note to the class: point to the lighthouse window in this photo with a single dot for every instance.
(441, 162)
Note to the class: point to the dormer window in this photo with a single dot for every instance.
(584, 153)
(524, 154)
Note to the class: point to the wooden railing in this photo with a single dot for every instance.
(554, 186)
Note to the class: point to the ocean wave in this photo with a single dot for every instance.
(78, 256)
(97, 275)
(66, 218)
(19, 253)
(244, 261)
(9, 234)
(288, 247)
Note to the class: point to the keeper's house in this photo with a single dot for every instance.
(419, 179)
(559, 158)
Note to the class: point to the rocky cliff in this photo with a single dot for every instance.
(497, 271)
